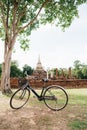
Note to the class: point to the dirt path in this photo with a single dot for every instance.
(36, 116)
(30, 117)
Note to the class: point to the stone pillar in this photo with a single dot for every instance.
(51, 74)
(63, 75)
(48, 73)
(57, 73)
(69, 72)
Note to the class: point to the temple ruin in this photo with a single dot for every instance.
(39, 72)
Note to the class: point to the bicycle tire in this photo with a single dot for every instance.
(55, 97)
(19, 98)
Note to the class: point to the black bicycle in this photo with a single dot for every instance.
(54, 96)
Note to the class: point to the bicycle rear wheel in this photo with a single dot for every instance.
(19, 98)
(55, 97)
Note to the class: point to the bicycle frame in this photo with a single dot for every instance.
(40, 97)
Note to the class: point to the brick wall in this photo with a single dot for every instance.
(68, 83)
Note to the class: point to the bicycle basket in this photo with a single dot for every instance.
(22, 81)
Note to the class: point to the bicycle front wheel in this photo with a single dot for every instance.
(19, 98)
(55, 97)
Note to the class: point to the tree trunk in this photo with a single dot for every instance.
(5, 78)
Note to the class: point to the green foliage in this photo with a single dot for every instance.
(80, 70)
(23, 16)
(77, 64)
(27, 70)
(60, 13)
(15, 71)
(24, 44)
(84, 71)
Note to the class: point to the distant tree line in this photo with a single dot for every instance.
(15, 71)
(79, 70)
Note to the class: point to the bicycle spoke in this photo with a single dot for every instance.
(19, 98)
(58, 98)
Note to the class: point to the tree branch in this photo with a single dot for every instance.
(14, 15)
(5, 23)
(32, 21)
(13, 26)
(3, 16)
(21, 14)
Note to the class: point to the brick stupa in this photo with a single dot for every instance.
(39, 72)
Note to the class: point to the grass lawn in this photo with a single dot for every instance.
(78, 106)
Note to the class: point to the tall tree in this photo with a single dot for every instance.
(20, 17)
(27, 70)
(15, 71)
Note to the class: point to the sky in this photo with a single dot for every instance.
(55, 47)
